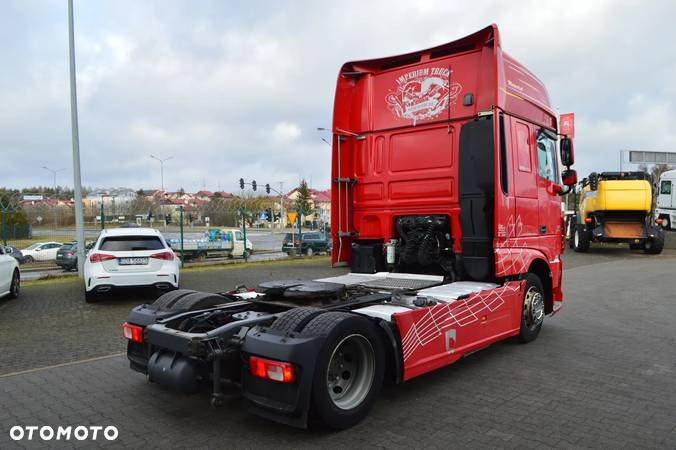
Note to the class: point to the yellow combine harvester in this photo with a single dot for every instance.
(616, 207)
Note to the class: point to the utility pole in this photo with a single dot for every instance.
(281, 206)
(161, 166)
(77, 188)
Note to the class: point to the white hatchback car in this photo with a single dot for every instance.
(10, 275)
(43, 251)
(130, 257)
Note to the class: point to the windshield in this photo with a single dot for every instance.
(33, 247)
(130, 243)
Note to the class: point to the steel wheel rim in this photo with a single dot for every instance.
(351, 372)
(533, 308)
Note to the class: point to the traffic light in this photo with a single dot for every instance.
(267, 188)
(241, 183)
(270, 216)
(253, 185)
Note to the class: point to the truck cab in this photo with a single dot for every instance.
(445, 161)
(665, 212)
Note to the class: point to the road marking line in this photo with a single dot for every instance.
(55, 366)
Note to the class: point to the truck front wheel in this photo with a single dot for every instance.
(580, 239)
(532, 309)
(350, 368)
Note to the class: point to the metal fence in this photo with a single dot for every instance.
(34, 226)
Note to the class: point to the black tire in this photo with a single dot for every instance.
(167, 300)
(198, 300)
(15, 286)
(580, 239)
(91, 296)
(29, 259)
(532, 308)
(363, 381)
(295, 319)
(655, 245)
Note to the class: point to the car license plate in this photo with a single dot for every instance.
(132, 261)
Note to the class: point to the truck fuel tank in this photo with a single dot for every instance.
(174, 371)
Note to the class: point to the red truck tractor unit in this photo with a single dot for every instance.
(446, 207)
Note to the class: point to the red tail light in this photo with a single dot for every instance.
(100, 257)
(166, 256)
(296, 242)
(588, 220)
(70, 253)
(132, 332)
(658, 221)
(281, 372)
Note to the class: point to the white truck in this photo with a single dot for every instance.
(217, 242)
(665, 212)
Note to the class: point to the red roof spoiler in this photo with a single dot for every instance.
(488, 36)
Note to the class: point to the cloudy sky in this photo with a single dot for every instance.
(234, 89)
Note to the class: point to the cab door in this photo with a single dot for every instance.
(527, 220)
(549, 202)
(238, 243)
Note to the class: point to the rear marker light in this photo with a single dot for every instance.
(588, 220)
(166, 256)
(658, 221)
(100, 257)
(281, 372)
(132, 332)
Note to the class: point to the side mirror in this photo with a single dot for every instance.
(569, 177)
(567, 152)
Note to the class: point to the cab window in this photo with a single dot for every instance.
(239, 235)
(547, 166)
(665, 187)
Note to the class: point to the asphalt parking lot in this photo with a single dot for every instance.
(601, 374)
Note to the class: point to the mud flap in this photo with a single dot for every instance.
(287, 403)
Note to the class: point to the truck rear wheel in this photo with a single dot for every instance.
(532, 309)
(350, 368)
(166, 301)
(198, 300)
(580, 239)
(655, 245)
(295, 319)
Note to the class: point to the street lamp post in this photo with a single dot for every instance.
(162, 161)
(56, 210)
(54, 172)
